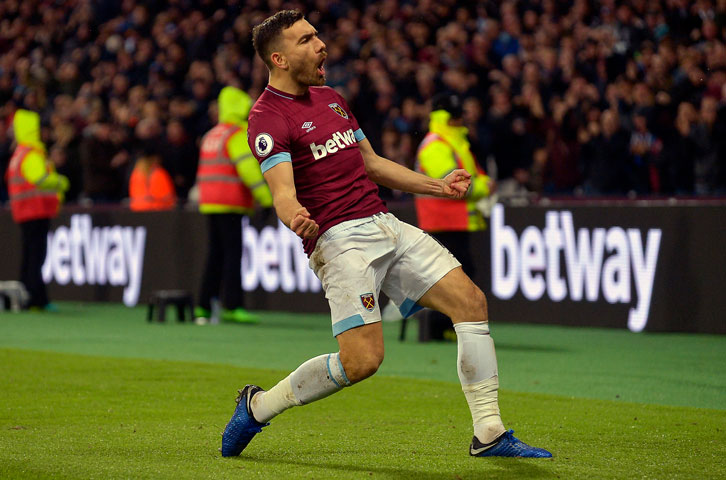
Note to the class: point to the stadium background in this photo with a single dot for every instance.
(612, 111)
(601, 104)
(555, 92)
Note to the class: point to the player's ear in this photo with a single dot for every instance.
(279, 60)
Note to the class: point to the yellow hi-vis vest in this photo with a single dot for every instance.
(445, 148)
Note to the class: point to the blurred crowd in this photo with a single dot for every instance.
(561, 97)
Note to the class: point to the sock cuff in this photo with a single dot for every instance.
(336, 370)
(477, 328)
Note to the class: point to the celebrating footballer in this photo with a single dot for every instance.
(323, 176)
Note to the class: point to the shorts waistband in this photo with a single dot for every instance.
(349, 224)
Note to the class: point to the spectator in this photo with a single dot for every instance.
(721, 135)
(644, 149)
(562, 171)
(103, 161)
(703, 134)
(5, 153)
(179, 157)
(605, 156)
(479, 133)
(500, 118)
(150, 186)
(119, 64)
(66, 138)
(678, 162)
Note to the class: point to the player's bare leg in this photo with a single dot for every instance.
(456, 296)
(361, 351)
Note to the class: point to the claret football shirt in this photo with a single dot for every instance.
(318, 133)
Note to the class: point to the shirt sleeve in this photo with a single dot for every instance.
(34, 168)
(37, 170)
(269, 139)
(436, 159)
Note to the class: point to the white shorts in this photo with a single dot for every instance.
(355, 260)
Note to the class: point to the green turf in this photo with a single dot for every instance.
(95, 392)
(71, 416)
(667, 369)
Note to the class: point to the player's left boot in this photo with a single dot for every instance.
(507, 445)
(242, 427)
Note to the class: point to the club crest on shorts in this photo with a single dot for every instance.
(368, 301)
(339, 110)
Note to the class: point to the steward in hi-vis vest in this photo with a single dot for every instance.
(35, 191)
(230, 184)
(229, 177)
(445, 148)
(34, 186)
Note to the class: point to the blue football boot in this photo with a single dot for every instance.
(242, 427)
(507, 445)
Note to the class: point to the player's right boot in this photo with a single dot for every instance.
(507, 445)
(242, 427)
(239, 315)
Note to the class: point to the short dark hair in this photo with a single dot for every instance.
(449, 102)
(266, 33)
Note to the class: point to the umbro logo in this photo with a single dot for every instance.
(308, 126)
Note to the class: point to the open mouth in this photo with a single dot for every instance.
(321, 68)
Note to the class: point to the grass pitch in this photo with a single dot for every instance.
(95, 392)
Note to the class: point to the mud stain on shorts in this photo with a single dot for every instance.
(317, 262)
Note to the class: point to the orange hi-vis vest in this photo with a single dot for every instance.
(152, 191)
(27, 201)
(219, 182)
(436, 214)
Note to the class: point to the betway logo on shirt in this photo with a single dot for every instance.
(602, 260)
(90, 255)
(332, 145)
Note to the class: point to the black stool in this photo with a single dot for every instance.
(161, 298)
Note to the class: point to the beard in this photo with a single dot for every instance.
(307, 74)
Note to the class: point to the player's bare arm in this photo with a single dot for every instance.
(284, 198)
(392, 175)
